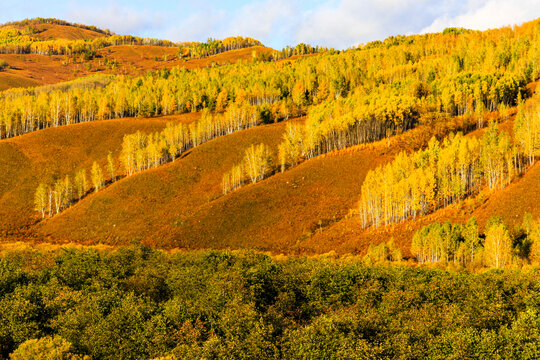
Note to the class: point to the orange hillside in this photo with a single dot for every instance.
(52, 153)
(32, 70)
(157, 200)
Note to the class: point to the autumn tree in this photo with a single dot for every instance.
(257, 161)
(534, 238)
(472, 239)
(111, 168)
(41, 199)
(97, 176)
(527, 129)
(498, 244)
(80, 183)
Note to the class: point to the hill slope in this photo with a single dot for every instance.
(135, 208)
(27, 70)
(303, 210)
(181, 204)
(41, 156)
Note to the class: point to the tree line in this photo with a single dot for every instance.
(445, 173)
(463, 244)
(440, 175)
(419, 77)
(29, 23)
(216, 46)
(142, 151)
(254, 167)
(51, 199)
(15, 41)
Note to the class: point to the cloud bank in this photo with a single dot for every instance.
(333, 23)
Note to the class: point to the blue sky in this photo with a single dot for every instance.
(333, 23)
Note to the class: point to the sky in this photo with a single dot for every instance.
(333, 23)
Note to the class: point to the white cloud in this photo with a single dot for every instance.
(334, 23)
(350, 22)
(263, 20)
(119, 19)
(482, 15)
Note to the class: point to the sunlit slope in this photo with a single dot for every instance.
(153, 206)
(303, 210)
(57, 31)
(510, 203)
(514, 201)
(282, 213)
(44, 155)
(53, 31)
(181, 204)
(27, 70)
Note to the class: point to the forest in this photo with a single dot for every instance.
(242, 304)
(218, 305)
(370, 90)
(341, 112)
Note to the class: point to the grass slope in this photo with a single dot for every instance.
(41, 156)
(347, 235)
(303, 210)
(32, 70)
(180, 204)
(151, 206)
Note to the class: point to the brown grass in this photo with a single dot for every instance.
(41, 156)
(32, 70)
(304, 210)
(9, 80)
(151, 206)
(180, 205)
(55, 31)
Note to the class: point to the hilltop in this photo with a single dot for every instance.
(52, 29)
(47, 51)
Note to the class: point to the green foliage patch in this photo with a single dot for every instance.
(138, 303)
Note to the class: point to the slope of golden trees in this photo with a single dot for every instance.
(215, 46)
(142, 151)
(362, 94)
(16, 41)
(255, 166)
(527, 129)
(51, 199)
(438, 176)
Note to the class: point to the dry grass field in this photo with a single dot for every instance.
(44, 155)
(33, 70)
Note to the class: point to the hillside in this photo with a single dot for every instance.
(47, 51)
(45, 31)
(27, 70)
(303, 210)
(53, 29)
(220, 199)
(356, 115)
(135, 208)
(181, 204)
(55, 152)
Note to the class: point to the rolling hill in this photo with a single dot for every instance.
(303, 210)
(28, 70)
(44, 155)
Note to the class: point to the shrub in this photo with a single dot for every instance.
(3, 65)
